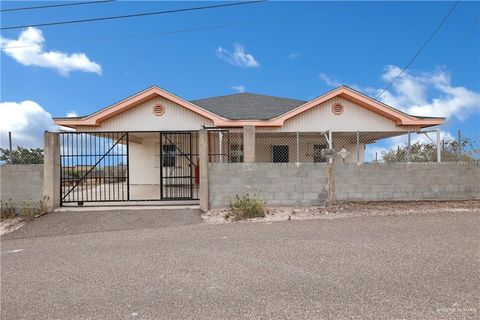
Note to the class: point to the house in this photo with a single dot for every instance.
(154, 134)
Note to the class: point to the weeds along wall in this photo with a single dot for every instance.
(310, 184)
(21, 182)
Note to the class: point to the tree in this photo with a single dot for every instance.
(451, 150)
(22, 156)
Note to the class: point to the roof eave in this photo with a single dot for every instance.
(400, 118)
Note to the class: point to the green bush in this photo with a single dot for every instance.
(246, 207)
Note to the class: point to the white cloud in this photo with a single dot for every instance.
(429, 94)
(238, 58)
(28, 50)
(294, 55)
(27, 121)
(240, 88)
(421, 93)
(329, 81)
(72, 114)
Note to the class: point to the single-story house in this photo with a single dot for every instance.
(152, 137)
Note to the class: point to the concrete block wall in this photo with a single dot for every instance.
(280, 184)
(407, 181)
(290, 184)
(21, 182)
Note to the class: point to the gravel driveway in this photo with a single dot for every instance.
(382, 267)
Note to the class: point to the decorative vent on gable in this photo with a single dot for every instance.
(337, 109)
(158, 110)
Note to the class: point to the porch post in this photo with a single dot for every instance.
(358, 146)
(203, 168)
(298, 147)
(249, 144)
(409, 148)
(439, 151)
(330, 145)
(51, 171)
(220, 145)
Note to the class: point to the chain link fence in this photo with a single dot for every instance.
(16, 154)
(225, 146)
(359, 147)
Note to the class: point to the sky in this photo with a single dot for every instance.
(289, 49)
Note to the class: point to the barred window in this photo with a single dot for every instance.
(280, 153)
(168, 153)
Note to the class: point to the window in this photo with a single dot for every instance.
(236, 153)
(169, 153)
(280, 154)
(317, 153)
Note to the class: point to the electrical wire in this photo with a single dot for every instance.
(419, 50)
(133, 36)
(134, 15)
(55, 5)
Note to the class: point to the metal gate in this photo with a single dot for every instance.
(96, 166)
(178, 165)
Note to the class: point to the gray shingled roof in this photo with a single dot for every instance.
(248, 106)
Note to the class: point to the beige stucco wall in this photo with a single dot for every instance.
(145, 168)
(141, 118)
(142, 162)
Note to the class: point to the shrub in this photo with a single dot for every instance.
(27, 210)
(246, 207)
(31, 209)
(7, 209)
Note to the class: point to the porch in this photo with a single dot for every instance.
(152, 167)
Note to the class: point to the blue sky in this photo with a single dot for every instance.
(291, 49)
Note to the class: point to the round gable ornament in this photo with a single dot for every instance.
(337, 109)
(158, 110)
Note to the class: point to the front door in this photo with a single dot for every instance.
(177, 166)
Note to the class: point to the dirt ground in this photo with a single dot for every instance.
(354, 209)
(11, 224)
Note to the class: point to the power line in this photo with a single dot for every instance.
(132, 15)
(420, 50)
(133, 36)
(55, 5)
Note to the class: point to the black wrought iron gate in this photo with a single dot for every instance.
(95, 166)
(178, 166)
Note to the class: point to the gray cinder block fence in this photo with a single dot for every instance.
(407, 181)
(280, 184)
(21, 182)
(290, 184)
